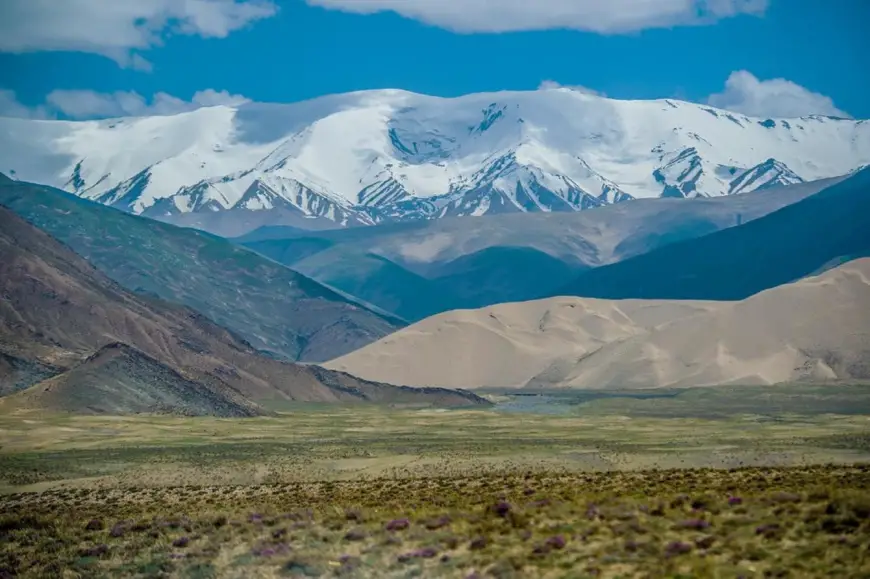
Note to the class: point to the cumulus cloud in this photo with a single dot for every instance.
(119, 28)
(777, 97)
(86, 104)
(552, 84)
(611, 16)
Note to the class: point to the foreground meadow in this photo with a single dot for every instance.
(663, 489)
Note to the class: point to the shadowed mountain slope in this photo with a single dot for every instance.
(19, 373)
(118, 380)
(272, 307)
(58, 310)
(475, 262)
(826, 229)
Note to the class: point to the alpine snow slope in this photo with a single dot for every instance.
(817, 328)
(375, 156)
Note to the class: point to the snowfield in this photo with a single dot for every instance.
(375, 156)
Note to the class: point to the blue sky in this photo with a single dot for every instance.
(78, 60)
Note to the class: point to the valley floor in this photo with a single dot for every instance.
(539, 486)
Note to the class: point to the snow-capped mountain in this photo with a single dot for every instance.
(368, 157)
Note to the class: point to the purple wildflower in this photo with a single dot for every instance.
(478, 543)
(557, 542)
(398, 525)
(501, 508)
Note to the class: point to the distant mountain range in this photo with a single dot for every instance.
(814, 234)
(149, 339)
(91, 346)
(422, 268)
(348, 217)
(381, 156)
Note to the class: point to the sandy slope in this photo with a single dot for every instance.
(816, 328)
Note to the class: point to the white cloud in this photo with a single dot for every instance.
(119, 28)
(602, 16)
(777, 97)
(86, 104)
(210, 97)
(552, 84)
(744, 93)
(11, 107)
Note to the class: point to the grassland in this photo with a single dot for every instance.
(371, 492)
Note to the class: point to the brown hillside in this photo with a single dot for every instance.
(119, 379)
(57, 310)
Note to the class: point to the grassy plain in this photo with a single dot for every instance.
(627, 487)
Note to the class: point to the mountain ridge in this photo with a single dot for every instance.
(455, 263)
(60, 312)
(734, 263)
(120, 379)
(379, 156)
(272, 307)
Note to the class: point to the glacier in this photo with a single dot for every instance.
(390, 155)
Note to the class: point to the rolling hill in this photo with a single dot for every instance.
(814, 329)
(118, 379)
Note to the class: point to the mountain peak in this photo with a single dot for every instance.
(383, 155)
(764, 175)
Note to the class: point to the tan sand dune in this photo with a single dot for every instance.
(814, 329)
(508, 345)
